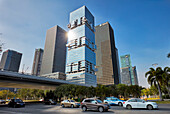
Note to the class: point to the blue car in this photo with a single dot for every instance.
(113, 101)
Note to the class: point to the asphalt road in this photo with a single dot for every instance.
(56, 109)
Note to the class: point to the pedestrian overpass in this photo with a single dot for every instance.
(17, 80)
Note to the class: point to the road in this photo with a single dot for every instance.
(56, 109)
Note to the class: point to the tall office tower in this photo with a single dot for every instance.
(127, 72)
(10, 60)
(81, 58)
(37, 61)
(126, 76)
(54, 56)
(107, 59)
(135, 75)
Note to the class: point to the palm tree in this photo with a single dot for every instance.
(166, 79)
(168, 55)
(155, 77)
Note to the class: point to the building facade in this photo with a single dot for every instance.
(56, 75)
(54, 56)
(126, 76)
(81, 58)
(128, 73)
(107, 59)
(37, 62)
(10, 61)
(135, 75)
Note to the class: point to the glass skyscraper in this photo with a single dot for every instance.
(128, 73)
(11, 60)
(37, 62)
(81, 58)
(107, 59)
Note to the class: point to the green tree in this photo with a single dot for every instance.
(135, 90)
(155, 77)
(145, 92)
(6, 94)
(123, 90)
(166, 79)
(168, 55)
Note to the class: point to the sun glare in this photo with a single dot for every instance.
(70, 35)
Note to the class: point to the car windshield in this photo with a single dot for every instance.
(18, 100)
(111, 99)
(99, 101)
(72, 101)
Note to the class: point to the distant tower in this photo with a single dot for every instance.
(54, 57)
(107, 59)
(37, 62)
(135, 75)
(128, 73)
(81, 58)
(10, 61)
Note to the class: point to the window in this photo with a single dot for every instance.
(93, 101)
(99, 101)
(65, 100)
(79, 65)
(140, 100)
(87, 101)
(72, 101)
(132, 100)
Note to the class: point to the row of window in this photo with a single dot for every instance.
(82, 41)
(80, 66)
(79, 22)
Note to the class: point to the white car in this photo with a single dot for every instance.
(139, 103)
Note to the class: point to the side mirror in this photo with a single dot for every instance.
(143, 101)
(95, 102)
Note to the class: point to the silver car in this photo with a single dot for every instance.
(139, 103)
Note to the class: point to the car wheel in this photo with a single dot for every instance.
(62, 105)
(101, 109)
(72, 106)
(120, 104)
(149, 107)
(129, 107)
(84, 108)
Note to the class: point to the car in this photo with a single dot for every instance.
(70, 103)
(113, 101)
(94, 104)
(16, 103)
(2, 102)
(139, 103)
(49, 102)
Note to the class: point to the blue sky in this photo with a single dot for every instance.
(142, 27)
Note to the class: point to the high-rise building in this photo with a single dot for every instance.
(126, 76)
(128, 73)
(135, 75)
(10, 60)
(81, 58)
(37, 62)
(107, 59)
(54, 56)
